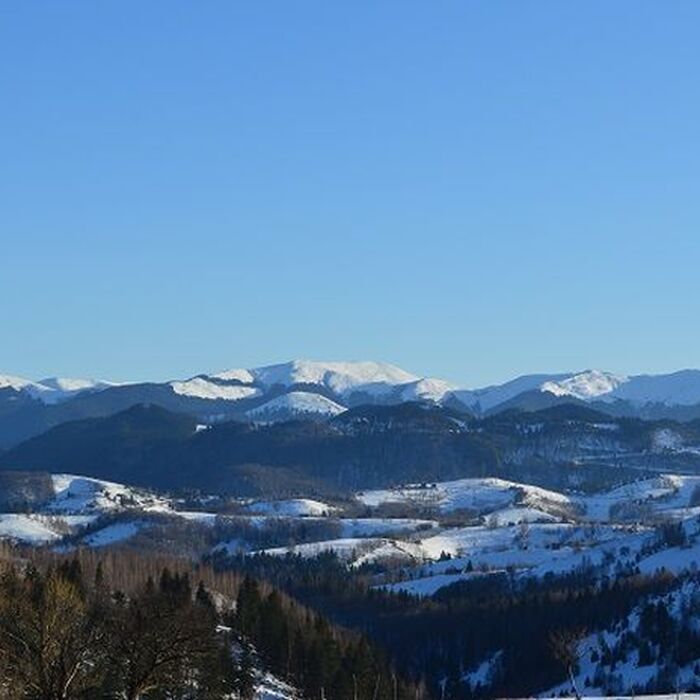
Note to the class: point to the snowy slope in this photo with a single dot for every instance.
(297, 403)
(298, 507)
(379, 379)
(482, 400)
(680, 388)
(201, 388)
(343, 378)
(54, 389)
(7, 381)
(479, 495)
(429, 585)
(32, 529)
(111, 534)
(427, 390)
(80, 494)
(386, 382)
(591, 384)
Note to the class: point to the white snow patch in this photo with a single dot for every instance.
(77, 494)
(479, 495)
(343, 378)
(54, 389)
(111, 534)
(298, 507)
(33, 529)
(297, 402)
(201, 388)
(586, 385)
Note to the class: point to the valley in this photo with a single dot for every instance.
(463, 539)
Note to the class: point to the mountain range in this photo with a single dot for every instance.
(304, 388)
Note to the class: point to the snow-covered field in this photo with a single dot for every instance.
(80, 494)
(299, 507)
(473, 532)
(479, 495)
(477, 527)
(33, 529)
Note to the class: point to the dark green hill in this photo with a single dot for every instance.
(116, 447)
(365, 447)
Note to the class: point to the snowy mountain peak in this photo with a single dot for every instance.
(348, 384)
(203, 388)
(343, 378)
(244, 376)
(588, 385)
(297, 403)
(53, 389)
(428, 389)
(8, 381)
(67, 384)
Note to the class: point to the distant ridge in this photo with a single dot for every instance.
(308, 388)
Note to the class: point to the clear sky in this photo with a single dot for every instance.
(469, 189)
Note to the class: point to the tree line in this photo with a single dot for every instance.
(117, 625)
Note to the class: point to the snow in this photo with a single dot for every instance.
(678, 388)
(270, 687)
(480, 495)
(16, 383)
(111, 534)
(516, 515)
(585, 386)
(62, 388)
(378, 379)
(197, 516)
(465, 541)
(666, 439)
(299, 507)
(681, 388)
(491, 396)
(54, 389)
(628, 673)
(77, 494)
(355, 551)
(429, 585)
(201, 388)
(343, 378)
(346, 548)
(428, 389)
(297, 402)
(374, 527)
(235, 375)
(674, 560)
(32, 529)
(480, 675)
(661, 494)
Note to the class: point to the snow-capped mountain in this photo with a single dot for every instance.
(488, 398)
(679, 388)
(307, 388)
(676, 389)
(53, 389)
(586, 386)
(205, 388)
(342, 378)
(296, 404)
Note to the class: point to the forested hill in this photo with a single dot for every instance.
(362, 448)
(129, 626)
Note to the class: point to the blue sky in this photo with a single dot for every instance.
(471, 190)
